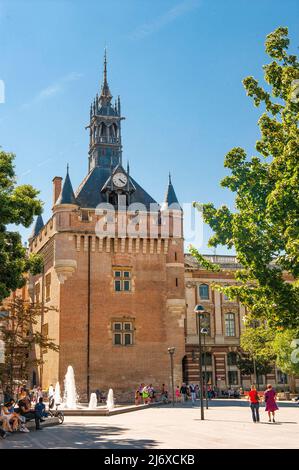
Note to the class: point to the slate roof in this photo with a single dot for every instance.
(39, 223)
(67, 194)
(170, 197)
(89, 192)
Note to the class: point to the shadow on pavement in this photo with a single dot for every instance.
(74, 436)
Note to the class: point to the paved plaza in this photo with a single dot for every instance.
(227, 425)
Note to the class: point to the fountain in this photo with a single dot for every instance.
(57, 394)
(110, 400)
(93, 401)
(51, 391)
(70, 398)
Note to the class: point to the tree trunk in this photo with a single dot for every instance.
(292, 383)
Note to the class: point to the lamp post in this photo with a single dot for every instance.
(204, 332)
(171, 353)
(199, 310)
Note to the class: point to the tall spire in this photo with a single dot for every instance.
(106, 96)
(105, 67)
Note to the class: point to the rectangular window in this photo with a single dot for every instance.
(45, 333)
(203, 291)
(117, 338)
(282, 378)
(207, 377)
(37, 293)
(122, 280)
(48, 286)
(122, 333)
(233, 377)
(128, 339)
(85, 216)
(229, 319)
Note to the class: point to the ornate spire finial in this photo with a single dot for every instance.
(106, 96)
(169, 177)
(67, 169)
(105, 65)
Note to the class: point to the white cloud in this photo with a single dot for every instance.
(171, 15)
(53, 89)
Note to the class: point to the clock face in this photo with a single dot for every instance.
(120, 180)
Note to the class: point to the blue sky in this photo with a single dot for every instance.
(177, 65)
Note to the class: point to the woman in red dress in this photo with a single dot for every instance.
(270, 399)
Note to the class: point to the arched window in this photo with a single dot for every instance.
(206, 359)
(203, 291)
(229, 319)
(232, 359)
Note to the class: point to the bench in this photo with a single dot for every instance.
(48, 422)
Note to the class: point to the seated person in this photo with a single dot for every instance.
(40, 408)
(9, 417)
(26, 412)
(164, 396)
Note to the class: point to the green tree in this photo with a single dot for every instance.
(286, 349)
(18, 329)
(18, 205)
(257, 341)
(264, 228)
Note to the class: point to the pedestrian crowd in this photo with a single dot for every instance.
(14, 414)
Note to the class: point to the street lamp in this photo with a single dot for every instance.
(171, 353)
(199, 310)
(204, 332)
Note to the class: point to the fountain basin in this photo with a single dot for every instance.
(103, 411)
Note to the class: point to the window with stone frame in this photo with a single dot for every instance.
(206, 358)
(37, 293)
(45, 334)
(122, 279)
(233, 378)
(203, 292)
(282, 377)
(85, 216)
(48, 286)
(232, 359)
(230, 327)
(123, 332)
(207, 377)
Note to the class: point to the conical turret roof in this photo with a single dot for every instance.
(67, 195)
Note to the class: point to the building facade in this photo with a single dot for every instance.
(224, 324)
(113, 268)
(122, 288)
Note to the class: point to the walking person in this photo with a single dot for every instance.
(270, 400)
(183, 392)
(193, 392)
(177, 394)
(254, 399)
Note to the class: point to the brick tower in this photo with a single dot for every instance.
(114, 269)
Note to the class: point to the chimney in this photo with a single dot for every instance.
(57, 183)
